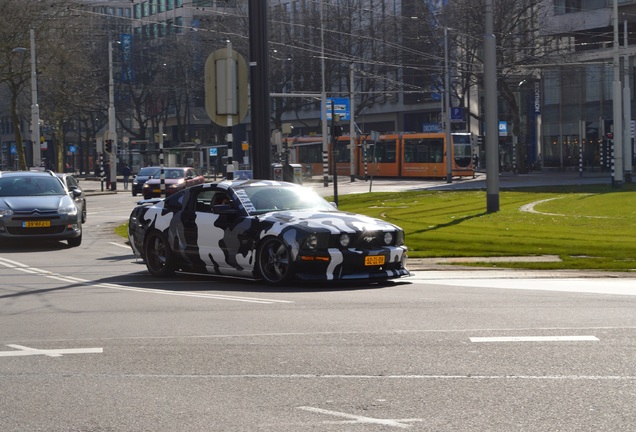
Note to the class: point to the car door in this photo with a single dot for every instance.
(72, 185)
(216, 243)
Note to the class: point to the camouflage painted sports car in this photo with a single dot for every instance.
(263, 229)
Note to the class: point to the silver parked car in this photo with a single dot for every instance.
(37, 205)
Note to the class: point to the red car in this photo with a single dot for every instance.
(176, 179)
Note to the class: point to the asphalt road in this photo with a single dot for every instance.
(90, 342)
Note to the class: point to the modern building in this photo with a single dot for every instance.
(576, 99)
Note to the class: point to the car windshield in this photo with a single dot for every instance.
(263, 199)
(30, 186)
(148, 171)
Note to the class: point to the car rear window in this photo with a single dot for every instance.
(148, 171)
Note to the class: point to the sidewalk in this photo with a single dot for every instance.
(92, 186)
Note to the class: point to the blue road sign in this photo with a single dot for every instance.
(457, 115)
(341, 107)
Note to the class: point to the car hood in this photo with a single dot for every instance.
(332, 221)
(34, 203)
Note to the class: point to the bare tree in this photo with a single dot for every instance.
(18, 17)
(519, 45)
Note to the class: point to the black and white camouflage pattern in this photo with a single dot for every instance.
(221, 244)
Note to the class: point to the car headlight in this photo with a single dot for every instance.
(311, 242)
(70, 210)
(6, 212)
(388, 238)
(344, 240)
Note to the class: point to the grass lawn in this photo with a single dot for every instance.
(589, 227)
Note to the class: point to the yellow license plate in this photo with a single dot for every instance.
(36, 224)
(156, 191)
(374, 260)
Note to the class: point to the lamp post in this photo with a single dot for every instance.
(35, 108)
(447, 128)
(112, 120)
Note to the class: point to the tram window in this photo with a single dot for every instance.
(462, 150)
(342, 153)
(310, 153)
(427, 150)
(385, 152)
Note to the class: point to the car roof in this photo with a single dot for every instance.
(26, 173)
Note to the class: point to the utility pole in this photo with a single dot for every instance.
(617, 171)
(35, 108)
(628, 151)
(490, 100)
(447, 126)
(323, 102)
(112, 122)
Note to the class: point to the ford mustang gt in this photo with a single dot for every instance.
(262, 229)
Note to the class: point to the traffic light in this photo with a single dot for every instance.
(109, 146)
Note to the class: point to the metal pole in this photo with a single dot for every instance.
(162, 175)
(490, 100)
(259, 92)
(112, 126)
(447, 129)
(628, 153)
(617, 178)
(352, 129)
(323, 102)
(229, 109)
(35, 108)
(334, 141)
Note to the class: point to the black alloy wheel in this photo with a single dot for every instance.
(274, 262)
(158, 255)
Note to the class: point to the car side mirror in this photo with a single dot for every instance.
(77, 192)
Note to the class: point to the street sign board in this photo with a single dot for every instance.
(457, 115)
(341, 107)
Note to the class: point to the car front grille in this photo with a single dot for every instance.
(366, 240)
(18, 231)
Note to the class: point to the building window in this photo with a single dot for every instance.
(144, 9)
(169, 4)
(178, 23)
(572, 6)
(161, 6)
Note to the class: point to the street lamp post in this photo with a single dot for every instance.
(112, 120)
(35, 108)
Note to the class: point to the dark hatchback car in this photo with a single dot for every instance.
(142, 177)
(36, 205)
(75, 192)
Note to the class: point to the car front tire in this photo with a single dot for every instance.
(75, 241)
(158, 255)
(274, 262)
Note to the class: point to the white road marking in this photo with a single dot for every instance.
(26, 351)
(398, 423)
(535, 339)
(125, 246)
(617, 286)
(394, 377)
(71, 279)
